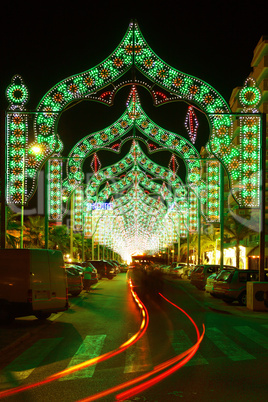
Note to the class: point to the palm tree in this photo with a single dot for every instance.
(34, 229)
(237, 229)
(59, 238)
(207, 243)
(13, 226)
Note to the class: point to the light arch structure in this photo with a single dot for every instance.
(234, 140)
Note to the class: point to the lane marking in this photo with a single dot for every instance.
(138, 357)
(90, 348)
(227, 346)
(54, 317)
(253, 335)
(20, 368)
(181, 342)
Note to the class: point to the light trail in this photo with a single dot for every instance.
(158, 368)
(186, 356)
(142, 387)
(105, 356)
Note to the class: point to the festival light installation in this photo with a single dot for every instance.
(240, 158)
(191, 124)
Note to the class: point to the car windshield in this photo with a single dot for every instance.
(224, 275)
(73, 271)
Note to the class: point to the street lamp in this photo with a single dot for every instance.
(22, 199)
(35, 149)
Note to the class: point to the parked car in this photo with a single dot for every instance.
(191, 270)
(202, 272)
(82, 266)
(74, 279)
(231, 284)
(180, 269)
(165, 269)
(174, 269)
(210, 282)
(184, 269)
(105, 268)
(116, 266)
(123, 267)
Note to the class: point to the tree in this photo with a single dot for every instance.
(237, 228)
(77, 245)
(207, 243)
(13, 227)
(34, 231)
(59, 238)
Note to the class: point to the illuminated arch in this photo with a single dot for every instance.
(132, 51)
(241, 157)
(133, 116)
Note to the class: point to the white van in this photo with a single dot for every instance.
(32, 282)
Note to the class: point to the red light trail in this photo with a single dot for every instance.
(105, 356)
(174, 363)
(186, 356)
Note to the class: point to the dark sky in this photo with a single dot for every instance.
(46, 42)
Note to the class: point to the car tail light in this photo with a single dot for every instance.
(29, 296)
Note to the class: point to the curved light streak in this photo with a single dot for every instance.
(158, 368)
(186, 356)
(105, 356)
(142, 387)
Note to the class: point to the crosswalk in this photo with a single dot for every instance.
(138, 357)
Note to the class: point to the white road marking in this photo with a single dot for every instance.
(227, 346)
(181, 342)
(138, 356)
(91, 347)
(253, 335)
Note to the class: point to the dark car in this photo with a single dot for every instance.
(202, 272)
(123, 267)
(116, 265)
(231, 284)
(105, 268)
(74, 279)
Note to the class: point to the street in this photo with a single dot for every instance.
(230, 364)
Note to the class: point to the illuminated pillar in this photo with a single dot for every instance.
(46, 202)
(71, 226)
(221, 213)
(22, 200)
(92, 234)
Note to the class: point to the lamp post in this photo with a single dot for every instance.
(3, 179)
(22, 199)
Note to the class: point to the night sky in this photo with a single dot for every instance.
(45, 42)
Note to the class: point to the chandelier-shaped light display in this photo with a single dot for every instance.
(191, 124)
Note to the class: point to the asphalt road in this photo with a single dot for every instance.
(230, 364)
